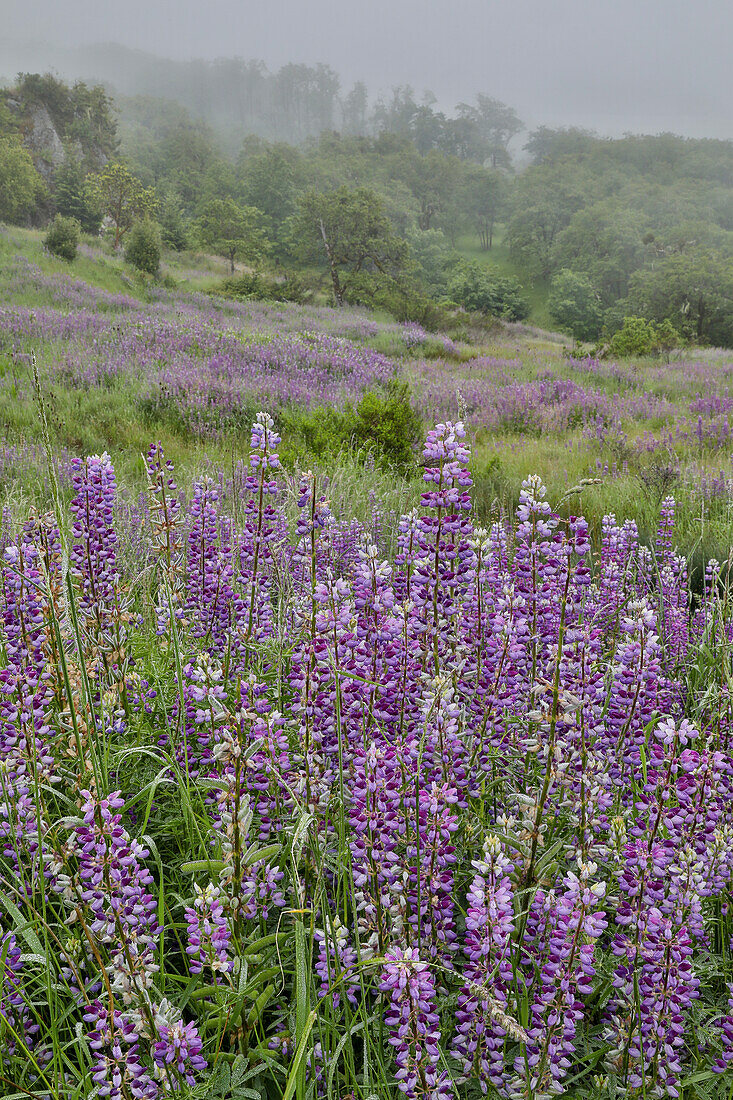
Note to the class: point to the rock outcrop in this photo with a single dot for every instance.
(43, 142)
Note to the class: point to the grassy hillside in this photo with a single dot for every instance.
(498, 258)
(124, 361)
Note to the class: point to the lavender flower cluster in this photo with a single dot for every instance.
(478, 798)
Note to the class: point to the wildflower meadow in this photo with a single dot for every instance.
(284, 818)
(385, 771)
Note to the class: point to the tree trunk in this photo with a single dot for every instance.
(117, 217)
(337, 290)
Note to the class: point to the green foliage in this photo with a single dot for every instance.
(268, 181)
(574, 305)
(143, 248)
(348, 228)
(476, 287)
(639, 337)
(544, 201)
(648, 221)
(693, 289)
(80, 114)
(72, 197)
(546, 146)
(431, 255)
(121, 197)
(62, 238)
(433, 181)
(185, 158)
(173, 227)
(606, 244)
(256, 285)
(20, 185)
(389, 422)
(484, 201)
(399, 298)
(494, 125)
(236, 232)
(383, 423)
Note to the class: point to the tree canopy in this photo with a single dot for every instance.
(236, 232)
(121, 197)
(20, 184)
(575, 306)
(348, 228)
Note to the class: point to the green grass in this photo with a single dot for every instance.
(536, 290)
(107, 270)
(104, 270)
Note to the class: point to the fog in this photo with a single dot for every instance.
(630, 65)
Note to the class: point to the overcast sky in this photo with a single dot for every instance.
(612, 65)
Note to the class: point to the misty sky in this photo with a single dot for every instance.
(612, 65)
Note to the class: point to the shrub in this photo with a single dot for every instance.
(62, 238)
(143, 247)
(403, 301)
(383, 422)
(638, 336)
(389, 422)
(574, 305)
(267, 288)
(478, 288)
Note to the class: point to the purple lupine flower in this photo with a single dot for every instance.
(114, 887)
(336, 956)
(15, 1011)
(93, 554)
(166, 520)
(413, 1024)
(117, 1069)
(177, 1053)
(565, 958)
(482, 1012)
(209, 935)
(260, 528)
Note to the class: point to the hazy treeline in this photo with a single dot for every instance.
(238, 97)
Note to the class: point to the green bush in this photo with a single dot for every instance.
(267, 288)
(574, 305)
(479, 289)
(639, 337)
(388, 422)
(173, 228)
(403, 301)
(383, 423)
(62, 238)
(143, 249)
